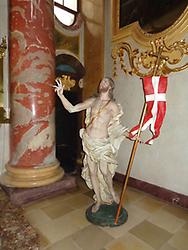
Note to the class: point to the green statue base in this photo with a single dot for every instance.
(106, 215)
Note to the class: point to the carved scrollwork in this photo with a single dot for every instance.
(161, 59)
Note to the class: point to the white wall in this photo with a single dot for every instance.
(4, 128)
(165, 163)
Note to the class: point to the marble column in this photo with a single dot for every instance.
(32, 63)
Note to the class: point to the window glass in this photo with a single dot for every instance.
(71, 4)
(64, 16)
(59, 1)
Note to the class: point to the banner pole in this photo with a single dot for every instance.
(131, 162)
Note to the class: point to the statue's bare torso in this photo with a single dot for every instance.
(101, 113)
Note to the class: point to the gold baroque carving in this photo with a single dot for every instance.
(160, 59)
(172, 34)
(66, 82)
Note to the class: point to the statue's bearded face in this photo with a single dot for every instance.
(104, 86)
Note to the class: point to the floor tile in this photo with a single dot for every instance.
(79, 200)
(149, 204)
(166, 220)
(151, 234)
(59, 228)
(57, 210)
(79, 217)
(177, 211)
(91, 238)
(133, 209)
(128, 242)
(185, 226)
(37, 216)
(167, 247)
(65, 244)
(116, 245)
(135, 216)
(36, 204)
(180, 240)
(48, 201)
(132, 196)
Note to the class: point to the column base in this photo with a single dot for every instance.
(21, 196)
(32, 177)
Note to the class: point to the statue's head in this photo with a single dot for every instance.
(107, 85)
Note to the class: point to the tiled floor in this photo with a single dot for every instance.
(151, 225)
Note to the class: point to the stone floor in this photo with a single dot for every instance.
(151, 225)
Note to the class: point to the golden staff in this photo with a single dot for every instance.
(133, 152)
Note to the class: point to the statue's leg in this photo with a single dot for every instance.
(108, 179)
(95, 183)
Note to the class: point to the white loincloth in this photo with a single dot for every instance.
(102, 150)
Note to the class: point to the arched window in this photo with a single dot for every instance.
(66, 11)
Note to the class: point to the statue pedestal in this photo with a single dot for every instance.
(106, 214)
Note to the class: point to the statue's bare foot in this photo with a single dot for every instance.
(95, 207)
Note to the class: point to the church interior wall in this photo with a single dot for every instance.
(164, 163)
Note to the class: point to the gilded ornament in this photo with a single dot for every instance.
(159, 56)
(66, 81)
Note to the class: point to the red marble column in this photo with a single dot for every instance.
(32, 64)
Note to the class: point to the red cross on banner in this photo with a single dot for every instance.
(155, 96)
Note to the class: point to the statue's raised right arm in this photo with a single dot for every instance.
(67, 105)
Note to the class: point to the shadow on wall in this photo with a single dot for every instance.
(67, 125)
